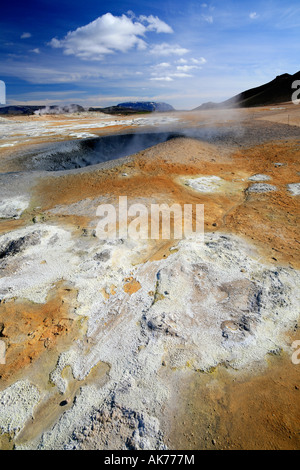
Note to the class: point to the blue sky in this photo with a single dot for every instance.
(185, 53)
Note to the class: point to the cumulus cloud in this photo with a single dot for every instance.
(36, 50)
(181, 75)
(199, 61)
(109, 34)
(181, 61)
(26, 35)
(186, 68)
(155, 24)
(170, 77)
(162, 65)
(253, 15)
(162, 79)
(165, 49)
(166, 71)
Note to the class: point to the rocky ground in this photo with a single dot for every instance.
(151, 344)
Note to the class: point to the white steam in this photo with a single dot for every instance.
(71, 108)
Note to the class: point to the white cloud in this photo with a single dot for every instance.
(166, 71)
(199, 61)
(36, 51)
(253, 16)
(105, 35)
(208, 18)
(26, 35)
(109, 34)
(163, 65)
(155, 24)
(162, 79)
(181, 61)
(165, 49)
(171, 76)
(181, 75)
(186, 68)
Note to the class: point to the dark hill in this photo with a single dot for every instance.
(278, 90)
(18, 110)
(30, 110)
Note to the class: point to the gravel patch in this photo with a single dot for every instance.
(261, 188)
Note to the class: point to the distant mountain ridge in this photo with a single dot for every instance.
(18, 110)
(135, 107)
(277, 91)
(122, 108)
(147, 106)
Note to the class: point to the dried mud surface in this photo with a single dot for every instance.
(154, 344)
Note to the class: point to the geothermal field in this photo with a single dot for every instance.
(150, 344)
